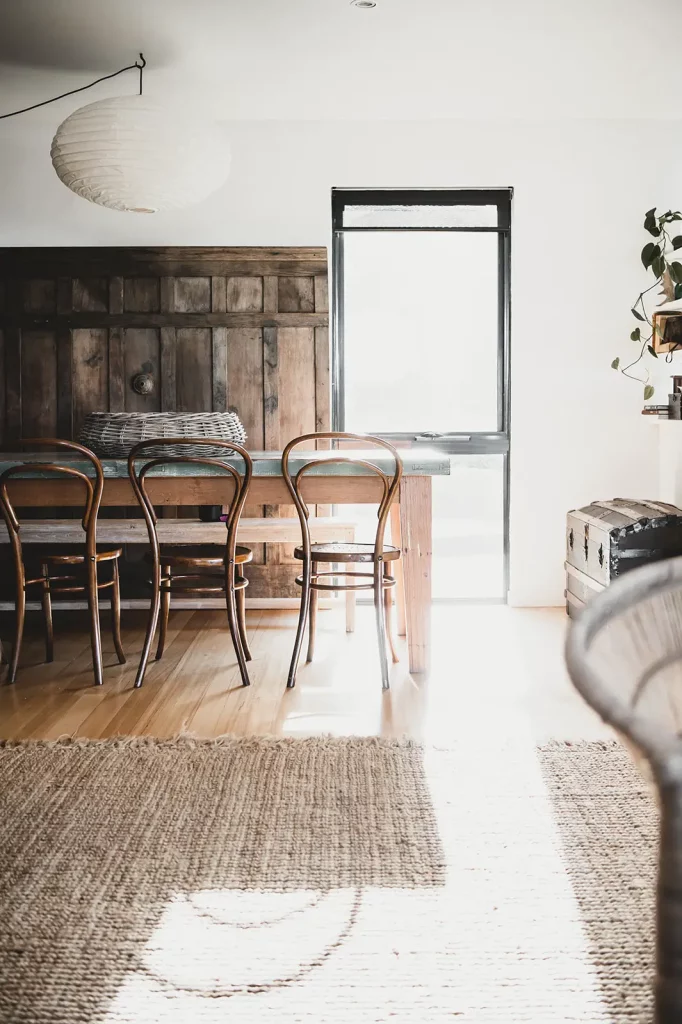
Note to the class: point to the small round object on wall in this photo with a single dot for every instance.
(130, 153)
(364, 4)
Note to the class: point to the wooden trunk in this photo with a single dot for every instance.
(607, 538)
(244, 329)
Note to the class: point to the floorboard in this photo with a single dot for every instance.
(495, 669)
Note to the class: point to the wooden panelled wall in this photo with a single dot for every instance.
(244, 329)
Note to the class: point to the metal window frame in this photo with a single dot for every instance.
(477, 442)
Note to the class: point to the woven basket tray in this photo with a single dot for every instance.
(112, 434)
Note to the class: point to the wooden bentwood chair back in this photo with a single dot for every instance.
(91, 559)
(228, 581)
(379, 554)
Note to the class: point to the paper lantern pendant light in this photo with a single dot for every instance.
(129, 153)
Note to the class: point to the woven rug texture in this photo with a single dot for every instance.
(326, 880)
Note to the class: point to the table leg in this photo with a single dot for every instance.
(416, 528)
(397, 570)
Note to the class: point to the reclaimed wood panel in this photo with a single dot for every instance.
(244, 295)
(141, 354)
(141, 295)
(90, 295)
(90, 353)
(193, 369)
(38, 384)
(192, 295)
(241, 328)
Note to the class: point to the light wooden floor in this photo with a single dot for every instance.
(495, 669)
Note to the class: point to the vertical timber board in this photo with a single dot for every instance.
(3, 378)
(12, 383)
(13, 304)
(168, 395)
(245, 397)
(91, 373)
(66, 367)
(194, 365)
(116, 353)
(219, 376)
(39, 383)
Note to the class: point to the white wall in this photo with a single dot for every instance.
(581, 188)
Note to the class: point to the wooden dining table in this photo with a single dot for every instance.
(193, 484)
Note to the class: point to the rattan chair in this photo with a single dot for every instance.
(379, 555)
(52, 582)
(215, 574)
(624, 655)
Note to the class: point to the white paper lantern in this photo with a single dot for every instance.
(129, 153)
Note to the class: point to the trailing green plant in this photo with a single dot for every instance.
(656, 257)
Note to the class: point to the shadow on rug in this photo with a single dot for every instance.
(607, 820)
(111, 851)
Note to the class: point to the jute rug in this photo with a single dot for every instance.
(326, 880)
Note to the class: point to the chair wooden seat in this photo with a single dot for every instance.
(101, 556)
(187, 556)
(337, 551)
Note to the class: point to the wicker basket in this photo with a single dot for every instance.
(112, 434)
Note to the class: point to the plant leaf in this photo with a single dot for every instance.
(676, 272)
(652, 351)
(648, 392)
(636, 334)
(649, 253)
(651, 212)
(616, 363)
(677, 242)
(678, 291)
(651, 225)
(637, 315)
(658, 266)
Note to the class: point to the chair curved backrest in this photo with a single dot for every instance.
(390, 481)
(93, 492)
(624, 655)
(242, 481)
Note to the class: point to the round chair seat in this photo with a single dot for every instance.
(199, 557)
(102, 556)
(338, 551)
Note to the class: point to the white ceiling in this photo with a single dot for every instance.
(324, 59)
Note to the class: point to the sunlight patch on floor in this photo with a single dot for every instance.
(502, 941)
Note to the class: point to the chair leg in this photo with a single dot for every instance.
(312, 625)
(18, 632)
(351, 603)
(151, 626)
(302, 620)
(46, 601)
(388, 611)
(95, 634)
(233, 623)
(241, 621)
(166, 570)
(116, 614)
(381, 623)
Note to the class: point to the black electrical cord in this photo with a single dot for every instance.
(72, 92)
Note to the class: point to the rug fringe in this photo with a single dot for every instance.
(189, 740)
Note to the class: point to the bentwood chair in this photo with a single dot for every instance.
(624, 655)
(214, 574)
(53, 582)
(377, 555)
